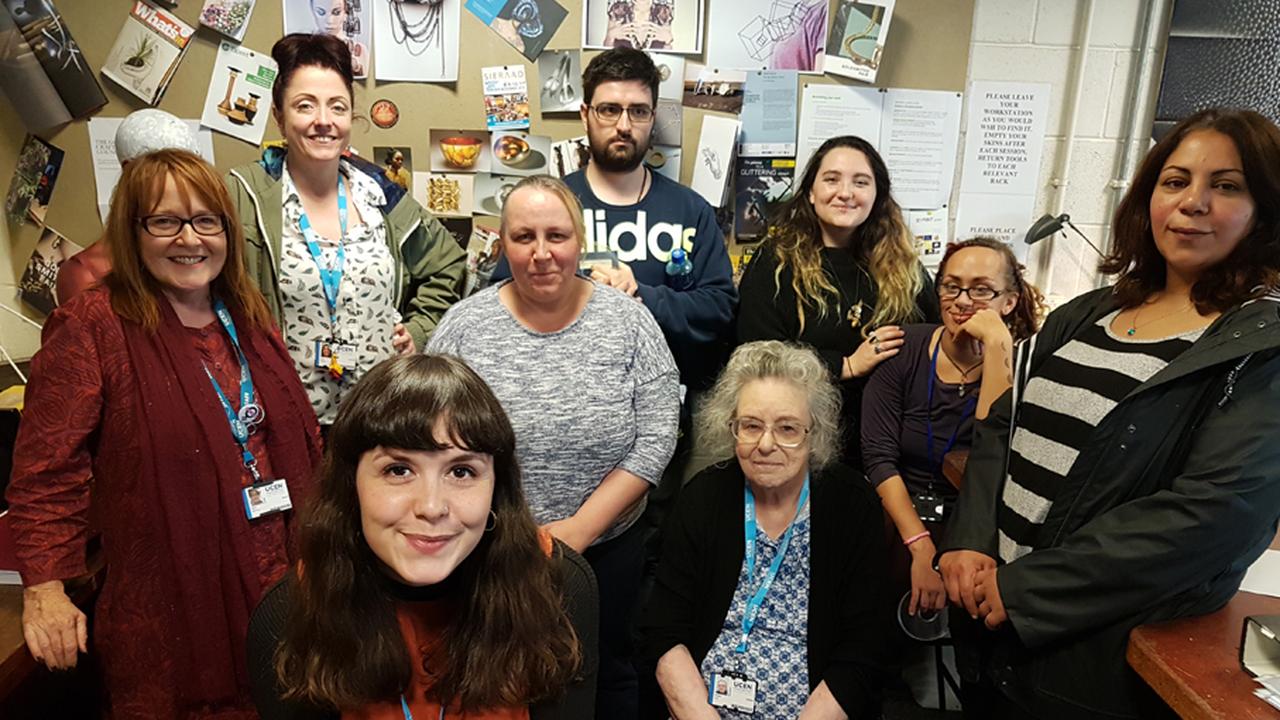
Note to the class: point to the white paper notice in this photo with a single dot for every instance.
(769, 114)
(919, 134)
(1004, 137)
(929, 228)
(1263, 576)
(106, 167)
(830, 110)
(713, 162)
(1003, 217)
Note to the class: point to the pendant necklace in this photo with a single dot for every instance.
(964, 374)
(1133, 324)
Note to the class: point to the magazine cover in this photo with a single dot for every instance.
(561, 75)
(46, 35)
(856, 42)
(347, 20)
(33, 181)
(40, 279)
(147, 51)
(239, 99)
(482, 258)
(506, 97)
(229, 17)
(761, 185)
(526, 25)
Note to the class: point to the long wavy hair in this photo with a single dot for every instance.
(883, 243)
(1253, 267)
(773, 359)
(135, 293)
(510, 643)
(1030, 309)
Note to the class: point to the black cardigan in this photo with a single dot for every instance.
(582, 602)
(702, 553)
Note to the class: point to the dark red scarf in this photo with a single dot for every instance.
(192, 469)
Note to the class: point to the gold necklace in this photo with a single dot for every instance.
(1133, 324)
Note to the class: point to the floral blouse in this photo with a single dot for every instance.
(366, 314)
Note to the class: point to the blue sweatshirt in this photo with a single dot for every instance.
(697, 322)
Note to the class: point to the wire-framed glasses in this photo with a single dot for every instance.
(786, 434)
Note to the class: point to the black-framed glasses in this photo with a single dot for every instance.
(786, 434)
(167, 226)
(977, 293)
(612, 112)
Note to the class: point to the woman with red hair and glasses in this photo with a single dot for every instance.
(169, 385)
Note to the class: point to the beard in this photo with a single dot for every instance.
(619, 160)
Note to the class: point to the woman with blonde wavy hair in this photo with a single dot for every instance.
(838, 272)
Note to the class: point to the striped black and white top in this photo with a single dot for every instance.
(1063, 402)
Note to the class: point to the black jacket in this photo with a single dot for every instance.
(702, 554)
(1174, 495)
(582, 604)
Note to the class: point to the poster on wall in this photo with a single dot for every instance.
(929, 230)
(239, 99)
(769, 114)
(416, 41)
(459, 151)
(506, 97)
(570, 155)
(856, 43)
(526, 25)
(40, 279)
(397, 164)
(673, 26)
(670, 75)
(46, 77)
(491, 192)
(919, 135)
(830, 110)
(106, 165)
(147, 51)
(718, 89)
(33, 180)
(767, 34)
(713, 161)
(445, 194)
(560, 76)
(520, 153)
(229, 17)
(347, 20)
(664, 160)
(760, 187)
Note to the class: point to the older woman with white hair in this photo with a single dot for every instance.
(766, 601)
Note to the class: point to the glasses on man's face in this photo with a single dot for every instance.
(977, 293)
(785, 434)
(611, 113)
(167, 226)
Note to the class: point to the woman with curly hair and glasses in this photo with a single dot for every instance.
(425, 590)
(768, 591)
(838, 272)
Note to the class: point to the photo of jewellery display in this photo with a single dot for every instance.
(406, 47)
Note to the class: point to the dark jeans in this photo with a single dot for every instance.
(618, 565)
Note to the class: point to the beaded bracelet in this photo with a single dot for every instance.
(914, 538)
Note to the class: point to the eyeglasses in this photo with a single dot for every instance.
(612, 112)
(167, 226)
(977, 293)
(785, 434)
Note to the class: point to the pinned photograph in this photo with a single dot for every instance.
(570, 155)
(713, 161)
(526, 25)
(506, 97)
(384, 114)
(229, 17)
(560, 81)
(670, 75)
(668, 123)
(664, 160)
(483, 250)
(718, 89)
(417, 40)
(40, 280)
(33, 180)
(491, 192)
(767, 34)
(397, 164)
(520, 153)
(446, 194)
(667, 25)
(460, 151)
(239, 99)
(857, 38)
(347, 20)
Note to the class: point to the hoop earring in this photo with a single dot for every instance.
(493, 521)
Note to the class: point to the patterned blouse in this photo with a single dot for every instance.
(777, 655)
(366, 300)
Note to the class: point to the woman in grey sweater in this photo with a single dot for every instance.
(591, 388)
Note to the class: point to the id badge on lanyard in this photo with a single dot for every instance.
(929, 505)
(332, 354)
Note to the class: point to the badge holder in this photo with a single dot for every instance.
(929, 506)
(733, 691)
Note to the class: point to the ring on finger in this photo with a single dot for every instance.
(876, 348)
(873, 339)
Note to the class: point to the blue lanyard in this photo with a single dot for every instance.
(250, 414)
(330, 278)
(757, 599)
(935, 469)
(404, 706)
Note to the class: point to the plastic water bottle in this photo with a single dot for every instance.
(680, 270)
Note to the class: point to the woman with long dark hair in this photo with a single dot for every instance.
(425, 589)
(838, 272)
(1129, 476)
